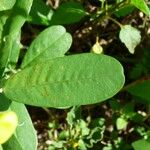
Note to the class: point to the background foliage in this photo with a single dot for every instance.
(68, 57)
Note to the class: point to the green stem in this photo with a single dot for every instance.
(109, 11)
(115, 21)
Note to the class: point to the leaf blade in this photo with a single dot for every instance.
(141, 5)
(130, 36)
(6, 4)
(67, 13)
(61, 82)
(141, 145)
(51, 43)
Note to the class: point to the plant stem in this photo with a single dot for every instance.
(115, 21)
(109, 11)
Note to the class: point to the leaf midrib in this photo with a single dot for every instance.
(62, 81)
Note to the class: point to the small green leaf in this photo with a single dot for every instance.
(73, 115)
(128, 110)
(141, 145)
(6, 4)
(51, 43)
(141, 89)
(126, 10)
(141, 5)
(40, 13)
(25, 136)
(130, 36)
(121, 123)
(81, 144)
(67, 13)
(67, 81)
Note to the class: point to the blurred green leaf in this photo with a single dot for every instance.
(141, 5)
(67, 13)
(6, 4)
(115, 105)
(121, 123)
(126, 10)
(141, 89)
(40, 13)
(82, 145)
(137, 118)
(128, 110)
(142, 66)
(141, 145)
(64, 135)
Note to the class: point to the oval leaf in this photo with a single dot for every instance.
(130, 36)
(67, 81)
(52, 42)
(141, 145)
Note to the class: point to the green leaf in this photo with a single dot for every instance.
(128, 110)
(40, 13)
(67, 81)
(82, 145)
(6, 4)
(121, 123)
(141, 145)
(67, 13)
(25, 136)
(130, 36)
(11, 31)
(51, 43)
(73, 115)
(115, 105)
(141, 89)
(126, 10)
(141, 5)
